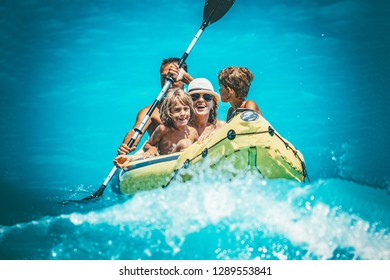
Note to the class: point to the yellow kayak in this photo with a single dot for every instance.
(246, 142)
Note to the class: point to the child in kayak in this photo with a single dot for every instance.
(174, 134)
(234, 84)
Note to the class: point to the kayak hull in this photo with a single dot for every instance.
(246, 143)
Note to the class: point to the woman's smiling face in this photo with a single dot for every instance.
(201, 106)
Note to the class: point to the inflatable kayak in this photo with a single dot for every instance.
(246, 142)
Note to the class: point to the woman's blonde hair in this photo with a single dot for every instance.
(237, 78)
(172, 98)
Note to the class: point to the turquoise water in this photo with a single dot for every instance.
(74, 74)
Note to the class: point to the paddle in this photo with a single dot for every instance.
(213, 11)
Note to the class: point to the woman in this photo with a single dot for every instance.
(205, 101)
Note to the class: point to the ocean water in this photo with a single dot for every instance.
(73, 75)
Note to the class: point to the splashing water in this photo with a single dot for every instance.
(224, 218)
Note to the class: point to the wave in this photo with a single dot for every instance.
(245, 217)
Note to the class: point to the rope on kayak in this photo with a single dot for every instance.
(231, 135)
(295, 151)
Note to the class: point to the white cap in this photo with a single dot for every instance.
(202, 85)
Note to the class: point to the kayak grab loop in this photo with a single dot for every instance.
(231, 134)
(186, 164)
(271, 131)
(205, 152)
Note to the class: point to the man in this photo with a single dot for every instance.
(169, 66)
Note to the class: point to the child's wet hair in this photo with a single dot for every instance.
(237, 78)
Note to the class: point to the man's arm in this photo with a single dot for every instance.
(180, 74)
(123, 148)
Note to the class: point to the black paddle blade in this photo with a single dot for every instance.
(96, 194)
(93, 196)
(214, 10)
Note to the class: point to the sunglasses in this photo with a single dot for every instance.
(196, 96)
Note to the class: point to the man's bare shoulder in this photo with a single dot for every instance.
(144, 111)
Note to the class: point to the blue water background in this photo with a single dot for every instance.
(73, 75)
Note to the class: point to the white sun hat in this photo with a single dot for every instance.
(202, 85)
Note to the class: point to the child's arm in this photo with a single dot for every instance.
(186, 142)
(151, 146)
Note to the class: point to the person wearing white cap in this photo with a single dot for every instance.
(205, 106)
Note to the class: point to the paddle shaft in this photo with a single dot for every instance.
(141, 126)
(167, 85)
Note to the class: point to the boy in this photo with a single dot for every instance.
(234, 85)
